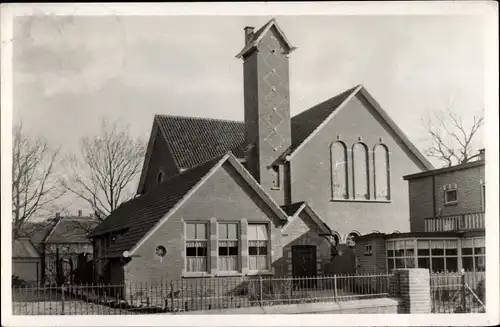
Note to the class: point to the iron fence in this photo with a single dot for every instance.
(458, 292)
(195, 294)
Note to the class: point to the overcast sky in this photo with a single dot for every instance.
(71, 71)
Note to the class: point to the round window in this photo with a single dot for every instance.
(161, 251)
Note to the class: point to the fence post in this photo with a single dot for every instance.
(62, 299)
(335, 285)
(260, 290)
(172, 296)
(463, 292)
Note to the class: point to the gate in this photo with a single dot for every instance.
(457, 293)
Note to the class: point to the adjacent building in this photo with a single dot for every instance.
(447, 222)
(64, 247)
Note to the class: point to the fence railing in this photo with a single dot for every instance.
(458, 292)
(467, 221)
(195, 294)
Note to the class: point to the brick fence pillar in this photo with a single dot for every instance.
(412, 286)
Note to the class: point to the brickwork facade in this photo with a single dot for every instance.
(427, 193)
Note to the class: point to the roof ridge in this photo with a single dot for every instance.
(199, 118)
(349, 90)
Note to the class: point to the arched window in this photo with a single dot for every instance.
(381, 172)
(338, 156)
(360, 171)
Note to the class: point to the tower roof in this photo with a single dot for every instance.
(260, 33)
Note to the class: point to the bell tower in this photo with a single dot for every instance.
(267, 104)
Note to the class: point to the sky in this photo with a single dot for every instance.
(70, 72)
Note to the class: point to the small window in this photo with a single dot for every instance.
(368, 250)
(450, 197)
(276, 177)
(483, 196)
(160, 177)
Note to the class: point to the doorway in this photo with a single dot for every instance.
(304, 267)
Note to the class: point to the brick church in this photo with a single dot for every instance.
(272, 195)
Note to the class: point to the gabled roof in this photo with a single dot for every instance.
(23, 248)
(193, 141)
(294, 211)
(306, 122)
(260, 33)
(142, 216)
(72, 230)
(310, 122)
(37, 231)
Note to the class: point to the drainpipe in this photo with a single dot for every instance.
(434, 196)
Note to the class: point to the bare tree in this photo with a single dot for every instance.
(450, 139)
(34, 182)
(106, 167)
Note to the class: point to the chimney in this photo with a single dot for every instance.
(79, 213)
(248, 34)
(58, 215)
(481, 155)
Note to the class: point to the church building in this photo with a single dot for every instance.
(274, 194)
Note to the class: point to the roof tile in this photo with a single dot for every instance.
(194, 141)
(136, 217)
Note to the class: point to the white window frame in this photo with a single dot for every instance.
(416, 256)
(226, 242)
(259, 242)
(197, 241)
(474, 255)
(448, 189)
(336, 183)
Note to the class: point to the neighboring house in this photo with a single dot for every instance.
(447, 224)
(64, 246)
(274, 194)
(26, 261)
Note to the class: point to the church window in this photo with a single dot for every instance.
(360, 171)
(338, 156)
(381, 172)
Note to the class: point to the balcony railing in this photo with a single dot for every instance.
(466, 221)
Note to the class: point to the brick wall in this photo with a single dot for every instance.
(267, 109)
(413, 289)
(224, 197)
(311, 177)
(161, 160)
(424, 200)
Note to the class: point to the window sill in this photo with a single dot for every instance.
(196, 274)
(228, 274)
(448, 204)
(260, 273)
(362, 201)
(275, 188)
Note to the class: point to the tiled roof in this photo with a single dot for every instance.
(37, 231)
(72, 230)
(291, 209)
(139, 215)
(307, 121)
(23, 248)
(194, 141)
